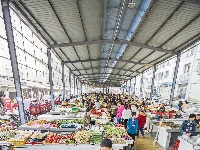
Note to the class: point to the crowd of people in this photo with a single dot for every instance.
(133, 113)
(121, 109)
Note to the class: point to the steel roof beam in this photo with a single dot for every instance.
(106, 67)
(192, 1)
(118, 41)
(114, 59)
(101, 74)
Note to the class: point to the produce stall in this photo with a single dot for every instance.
(188, 144)
(83, 139)
(168, 134)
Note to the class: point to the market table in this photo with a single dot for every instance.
(187, 145)
(167, 137)
(5, 117)
(54, 117)
(70, 147)
(151, 127)
(25, 127)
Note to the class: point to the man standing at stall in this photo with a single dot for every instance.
(188, 127)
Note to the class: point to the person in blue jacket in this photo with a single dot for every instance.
(188, 127)
(132, 127)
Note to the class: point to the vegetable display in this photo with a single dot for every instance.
(96, 137)
(5, 135)
(82, 137)
(113, 133)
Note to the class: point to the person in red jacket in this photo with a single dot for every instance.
(142, 117)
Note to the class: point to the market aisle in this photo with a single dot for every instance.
(146, 144)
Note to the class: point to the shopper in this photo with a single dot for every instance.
(97, 104)
(119, 112)
(185, 106)
(142, 117)
(180, 105)
(126, 114)
(162, 108)
(188, 127)
(132, 127)
(143, 102)
(106, 144)
(178, 115)
(197, 120)
(87, 118)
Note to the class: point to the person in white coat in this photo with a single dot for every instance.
(126, 114)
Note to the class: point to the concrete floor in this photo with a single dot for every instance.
(146, 144)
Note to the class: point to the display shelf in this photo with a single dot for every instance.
(5, 117)
(48, 129)
(56, 117)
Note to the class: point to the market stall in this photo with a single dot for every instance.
(188, 144)
(42, 138)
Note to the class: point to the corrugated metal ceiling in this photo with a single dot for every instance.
(166, 24)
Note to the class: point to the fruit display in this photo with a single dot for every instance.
(96, 137)
(37, 137)
(113, 133)
(64, 104)
(5, 135)
(127, 137)
(59, 139)
(80, 105)
(118, 141)
(4, 127)
(119, 125)
(82, 137)
(38, 123)
(96, 112)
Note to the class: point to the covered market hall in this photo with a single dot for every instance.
(100, 74)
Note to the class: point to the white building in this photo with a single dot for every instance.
(188, 79)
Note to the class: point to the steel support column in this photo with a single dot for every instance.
(13, 57)
(77, 85)
(50, 79)
(81, 89)
(153, 80)
(174, 79)
(130, 88)
(63, 80)
(70, 85)
(141, 86)
(135, 87)
(126, 89)
(74, 85)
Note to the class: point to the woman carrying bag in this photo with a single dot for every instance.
(126, 114)
(132, 127)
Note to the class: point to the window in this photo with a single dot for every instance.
(168, 63)
(166, 74)
(187, 54)
(192, 52)
(187, 68)
(198, 66)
